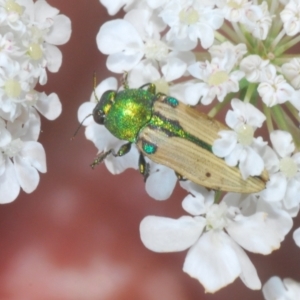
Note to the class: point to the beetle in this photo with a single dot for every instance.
(172, 134)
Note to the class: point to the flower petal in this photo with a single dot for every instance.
(213, 261)
(275, 288)
(225, 145)
(282, 142)
(262, 232)
(275, 188)
(296, 236)
(117, 165)
(60, 32)
(162, 234)
(27, 175)
(85, 110)
(291, 198)
(121, 41)
(34, 154)
(248, 275)
(43, 11)
(161, 182)
(49, 106)
(9, 185)
(252, 164)
(54, 58)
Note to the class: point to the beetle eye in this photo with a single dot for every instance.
(99, 117)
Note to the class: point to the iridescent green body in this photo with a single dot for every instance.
(172, 134)
(131, 111)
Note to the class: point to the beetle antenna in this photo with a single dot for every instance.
(125, 81)
(95, 84)
(73, 137)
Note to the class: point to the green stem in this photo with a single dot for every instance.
(288, 45)
(250, 90)
(217, 108)
(202, 56)
(269, 122)
(273, 5)
(293, 128)
(220, 37)
(277, 39)
(218, 195)
(279, 117)
(293, 111)
(231, 33)
(284, 59)
(240, 34)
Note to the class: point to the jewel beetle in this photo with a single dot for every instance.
(172, 134)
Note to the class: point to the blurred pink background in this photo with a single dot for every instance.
(77, 235)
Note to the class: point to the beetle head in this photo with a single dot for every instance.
(103, 106)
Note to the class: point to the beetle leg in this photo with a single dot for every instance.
(100, 157)
(124, 149)
(125, 81)
(180, 177)
(151, 87)
(144, 167)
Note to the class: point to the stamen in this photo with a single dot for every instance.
(288, 167)
(155, 49)
(13, 148)
(218, 78)
(189, 16)
(12, 88)
(35, 51)
(245, 134)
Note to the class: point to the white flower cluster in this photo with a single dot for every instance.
(29, 33)
(189, 52)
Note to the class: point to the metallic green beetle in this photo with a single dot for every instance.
(172, 134)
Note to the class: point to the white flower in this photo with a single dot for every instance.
(29, 31)
(136, 37)
(9, 49)
(121, 41)
(237, 146)
(47, 29)
(16, 94)
(277, 289)
(193, 20)
(14, 85)
(215, 257)
(233, 10)
(221, 50)
(145, 72)
(273, 88)
(284, 182)
(258, 20)
(290, 17)
(291, 71)
(218, 79)
(254, 67)
(12, 15)
(20, 159)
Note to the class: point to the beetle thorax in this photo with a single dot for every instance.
(131, 111)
